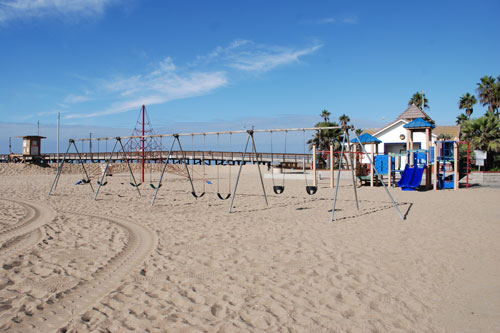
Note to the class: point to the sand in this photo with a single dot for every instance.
(70, 263)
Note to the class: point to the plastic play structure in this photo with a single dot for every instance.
(439, 162)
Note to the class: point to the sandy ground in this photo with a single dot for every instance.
(70, 263)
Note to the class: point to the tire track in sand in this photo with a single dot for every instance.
(76, 301)
(37, 215)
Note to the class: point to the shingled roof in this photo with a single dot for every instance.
(413, 112)
(453, 131)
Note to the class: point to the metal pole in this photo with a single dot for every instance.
(338, 179)
(58, 125)
(105, 170)
(352, 169)
(142, 141)
(163, 171)
(187, 169)
(239, 173)
(221, 132)
(59, 168)
(381, 180)
(258, 167)
(10, 145)
(128, 164)
(83, 165)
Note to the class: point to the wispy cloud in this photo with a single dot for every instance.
(27, 9)
(330, 20)
(163, 84)
(73, 99)
(168, 81)
(248, 56)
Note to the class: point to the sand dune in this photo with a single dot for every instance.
(118, 264)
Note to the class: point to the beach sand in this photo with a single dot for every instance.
(117, 264)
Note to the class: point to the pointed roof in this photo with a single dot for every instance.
(413, 112)
(366, 138)
(419, 123)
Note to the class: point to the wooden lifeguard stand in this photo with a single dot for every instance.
(32, 147)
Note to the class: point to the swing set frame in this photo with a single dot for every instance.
(250, 141)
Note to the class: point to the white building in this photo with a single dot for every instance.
(394, 135)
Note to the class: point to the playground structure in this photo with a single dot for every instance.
(250, 149)
(438, 161)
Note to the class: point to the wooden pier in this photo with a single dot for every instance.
(190, 157)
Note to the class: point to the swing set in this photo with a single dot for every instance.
(250, 148)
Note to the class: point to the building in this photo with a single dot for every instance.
(32, 145)
(394, 136)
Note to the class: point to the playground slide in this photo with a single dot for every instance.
(406, 176)
(411, 178)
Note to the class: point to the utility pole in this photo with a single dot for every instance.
(58, 125)
(142, 162)
(38, 125)
(10, 145)
(90, 143)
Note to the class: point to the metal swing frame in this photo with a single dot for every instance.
(175, 139)
(250, 138)
(101, 181)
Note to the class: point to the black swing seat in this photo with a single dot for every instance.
(135, 185)
(311, 190)
(278, 189)
(154, 187)
(85, 181)
(196, 195)
(103, 184)
(223, 198)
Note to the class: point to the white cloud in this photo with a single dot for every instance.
(267, 60)
(167, 82)
(330, 20)
(25, 9)
(73, 99)
(161, 85)
(248, 56)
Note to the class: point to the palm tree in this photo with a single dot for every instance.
(461, 118)
(483, 134)
(344, 119)
(467, 102)
(444, 137)
(325, 115)
(359, 131)
(323, 139)
(489, 93)
(416, 100)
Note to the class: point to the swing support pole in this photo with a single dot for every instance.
(250, 136)
(352, 169)
(129, 168)
(106, 169)
(59, 169)
(163, 171)
(338, 179)
(379, 177)
(187, 169)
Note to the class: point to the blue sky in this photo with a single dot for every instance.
(216, 65)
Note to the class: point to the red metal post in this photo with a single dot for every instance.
(468, 146)
(142, 162)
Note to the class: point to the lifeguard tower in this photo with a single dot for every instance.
(32, 147)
